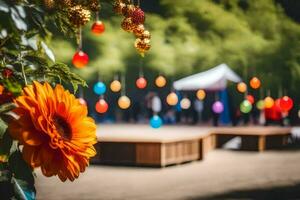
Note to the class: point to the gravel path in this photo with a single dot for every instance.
(224, 174)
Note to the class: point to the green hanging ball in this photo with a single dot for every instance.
(245, 106)
(260, 105)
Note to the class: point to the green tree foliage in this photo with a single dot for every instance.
(24, 34)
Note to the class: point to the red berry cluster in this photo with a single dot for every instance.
(7, 73)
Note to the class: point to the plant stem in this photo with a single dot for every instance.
(23, 69)
(23, 73)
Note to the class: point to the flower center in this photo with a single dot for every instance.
(62, 127)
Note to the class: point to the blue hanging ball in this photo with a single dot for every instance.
(99, 88)
(155, 122)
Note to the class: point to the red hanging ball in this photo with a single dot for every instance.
(98, 28)
(7, 73)
(141, 83)
(80, 59)
(138, 16)
(250, 98)
(101, 106)
(286, 103)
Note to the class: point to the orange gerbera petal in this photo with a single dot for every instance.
(55, 130)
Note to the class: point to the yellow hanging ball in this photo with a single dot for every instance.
(172, 99)
(160, 81)
(124, 102)
(201, 94)
(115, 86)
(269, 102)
(242, 87)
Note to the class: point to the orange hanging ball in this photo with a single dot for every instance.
(255, 83)
(172, 99)
(242, 87)
(101, 106)
(160, 81)
(141, 83)
(124, 102)
(201, 94)
(98, 28)
(115, 86)
(80, 59)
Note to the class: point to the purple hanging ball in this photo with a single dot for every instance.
(218, 107)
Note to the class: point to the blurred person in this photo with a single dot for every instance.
(216, 117)
(198, 108)
(148, 103)
(156, 104)
(236, 117)
(254, 115)
(178, 108)
(169, 117)
(262, 119)
(136, 111)
(246, 118)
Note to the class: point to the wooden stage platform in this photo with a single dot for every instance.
(143, 146)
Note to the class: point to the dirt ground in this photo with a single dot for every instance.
(224, 174)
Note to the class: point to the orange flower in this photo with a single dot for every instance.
(54, 128)
(1, 89)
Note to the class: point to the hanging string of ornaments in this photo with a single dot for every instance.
(141, 82)
(124, 101)
(133, 22)
(80, 12)
(285, 103)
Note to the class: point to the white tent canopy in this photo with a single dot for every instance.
(213, 79)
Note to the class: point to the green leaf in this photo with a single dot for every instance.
(6, 187)
(22, 191)
(12, 86)
(22, 177)
(3, 127)
(5, 175)
(48, 51)
(63, 72)
(19, 22)
(7, 107)
(36, 59)
(4, 7)
(6, 143)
